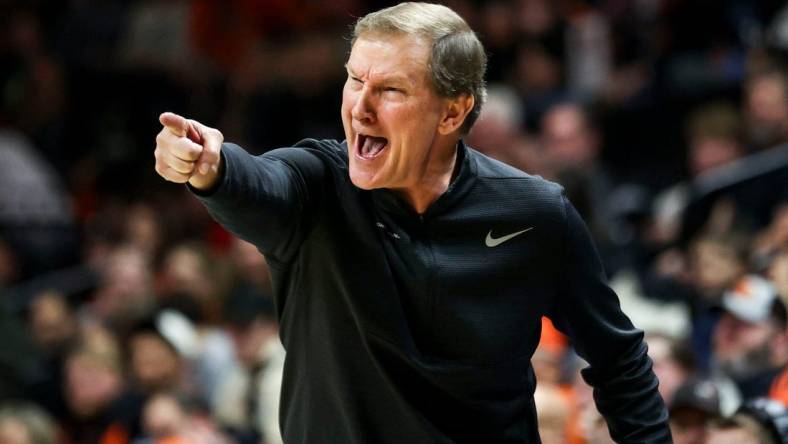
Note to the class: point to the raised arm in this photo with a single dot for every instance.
(588, 311)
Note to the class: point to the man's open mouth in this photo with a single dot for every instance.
(370, 147)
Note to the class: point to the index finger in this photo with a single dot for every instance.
(175, 123)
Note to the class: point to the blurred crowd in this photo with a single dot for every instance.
(128, 316)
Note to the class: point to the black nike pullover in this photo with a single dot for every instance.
(408, 328)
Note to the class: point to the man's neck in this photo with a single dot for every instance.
(434, 182)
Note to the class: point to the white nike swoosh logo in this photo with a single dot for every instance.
(491, 242)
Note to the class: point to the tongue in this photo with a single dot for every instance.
(372, 146)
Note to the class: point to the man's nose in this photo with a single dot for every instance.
(363, 109)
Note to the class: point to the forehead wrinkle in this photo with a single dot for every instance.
(380, 68)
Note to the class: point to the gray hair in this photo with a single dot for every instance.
(458, 60)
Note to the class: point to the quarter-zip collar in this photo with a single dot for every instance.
(386, 200)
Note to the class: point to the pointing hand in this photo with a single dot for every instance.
(188, 151)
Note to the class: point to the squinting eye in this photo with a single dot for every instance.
(355, 83)
(392, 90)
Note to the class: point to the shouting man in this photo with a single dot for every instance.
(410, 272)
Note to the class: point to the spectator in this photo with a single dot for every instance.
(713, 140)
(23, 423)
(248, 402)
(759, 421)
(250, 266)
(53, 328)
(125, 294)
(695, 403)
(52, 323)
(498, 132)
(751, 340)
(188, 276)
(766, 107)
(94, 389)
(156, 347)
(571, 145)
(674, 363)
(168, 420)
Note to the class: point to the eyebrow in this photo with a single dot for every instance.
(394, 78)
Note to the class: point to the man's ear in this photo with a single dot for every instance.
(457, 109)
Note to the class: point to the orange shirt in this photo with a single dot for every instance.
(779, 389)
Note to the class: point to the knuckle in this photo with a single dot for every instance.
(214, 148)
(195, 151)
(185, 167)
(210, 154)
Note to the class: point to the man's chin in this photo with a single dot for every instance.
(365, 181)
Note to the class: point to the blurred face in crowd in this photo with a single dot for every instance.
(23, 423)
(767, 109)
(156, 366)
(126, 290)
(714, 265)
(250, 264)
(536, 70)
(186, 270)
(51, 321)
(567, 139)
(13, 431)
(669, 372)
(535, 17)
(707, 153)
(166, 421)
(741, 347)
(143, 228)
(91, 384)
(498, 134)
(250, 340)
(688, 426)
(394, 121)
(163, 417)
